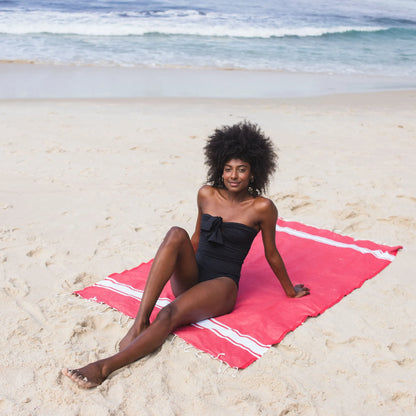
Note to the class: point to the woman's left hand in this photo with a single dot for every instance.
(301, 291)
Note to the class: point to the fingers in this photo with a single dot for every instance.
(301, 291)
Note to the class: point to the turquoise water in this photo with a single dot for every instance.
(350, 37)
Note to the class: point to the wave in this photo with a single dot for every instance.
(394, 22)
(88, 30)
(392, 33)
(168, 22)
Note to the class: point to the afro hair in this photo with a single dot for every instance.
(244, 141)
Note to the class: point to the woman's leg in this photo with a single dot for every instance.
(174, 260)
(204, 300)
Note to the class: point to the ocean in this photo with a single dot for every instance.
(365, 37)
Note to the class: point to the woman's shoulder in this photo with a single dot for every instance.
(204, 193)
(262, 202)
(265, 206)
(206, 190)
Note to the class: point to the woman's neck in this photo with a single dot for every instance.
(234, 197)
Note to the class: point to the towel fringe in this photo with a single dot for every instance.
(120, 320)
(221, 363)
(225, 366)
(103, 311)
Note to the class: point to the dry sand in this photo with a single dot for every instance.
(89, 187)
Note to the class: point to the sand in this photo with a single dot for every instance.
(89, 187)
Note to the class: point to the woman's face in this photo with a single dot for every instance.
(236, 175)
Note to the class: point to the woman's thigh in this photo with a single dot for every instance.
(185, 274)
(204, 300)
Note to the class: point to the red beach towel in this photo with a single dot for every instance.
(331, 265)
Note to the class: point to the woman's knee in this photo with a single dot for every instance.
(167, 316)
(176, 235)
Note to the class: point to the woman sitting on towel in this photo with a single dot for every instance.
(204, 270)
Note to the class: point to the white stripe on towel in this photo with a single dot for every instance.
(245, 342)
(383, 255)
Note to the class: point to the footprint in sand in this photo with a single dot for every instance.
(348, 214)
(295, 409)
(170, 213)
(295, 356)
(57, 258)
(405, 353)
(55, 149)
(6, 206)
(400, 221)
(105, 224)
(410, 198)
(298, 206)
(353, 215)
(295, 202)
(18, 332)
(84, 328)
(42, 255)
(16, 288)
(84, 279)
(6, 234)
(355, 341)
(405, 399)
(351, 228)
(382, 365)
(94, 333)
(36, 252)
(403, 356)
(106, 249)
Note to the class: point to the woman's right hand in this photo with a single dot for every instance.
(301, 291)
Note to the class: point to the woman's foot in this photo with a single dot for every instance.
(131, 335)
(86, 377)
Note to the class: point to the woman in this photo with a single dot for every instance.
(204, 270)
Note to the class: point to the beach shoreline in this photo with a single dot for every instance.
(90, 186)
(26, 80)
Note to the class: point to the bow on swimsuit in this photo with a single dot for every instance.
(222, 248)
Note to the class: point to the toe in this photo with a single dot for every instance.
(79, 378)
(66, 372)
(85, 383)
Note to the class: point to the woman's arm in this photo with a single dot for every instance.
(268, 214)
(195, 236)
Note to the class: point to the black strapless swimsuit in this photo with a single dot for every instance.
(222, 248)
